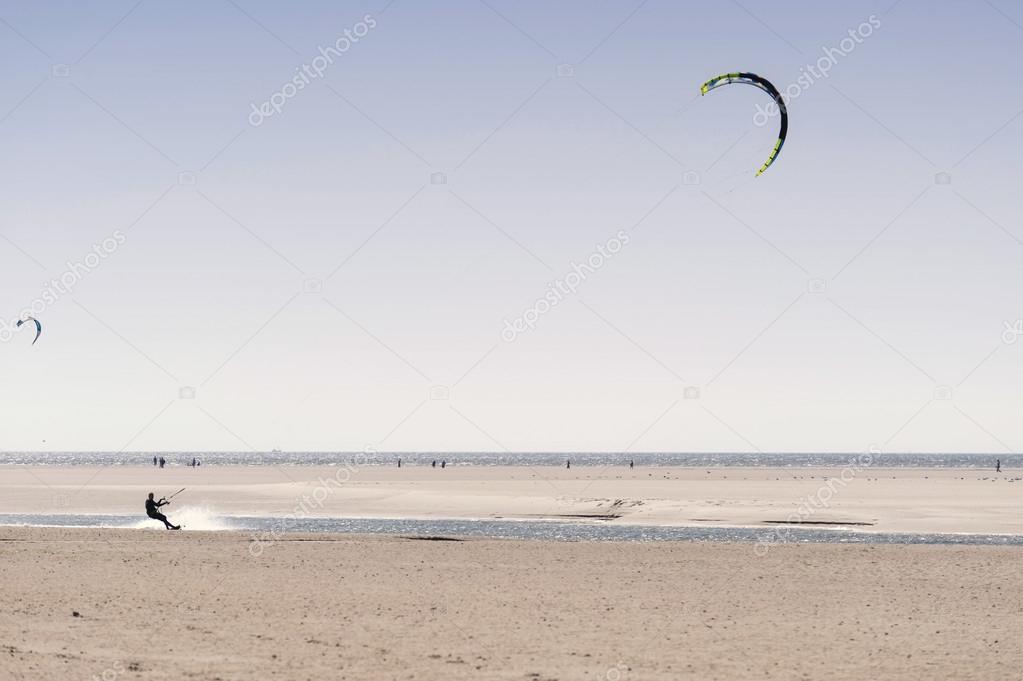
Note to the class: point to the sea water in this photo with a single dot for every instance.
(269, 529)
(688, 459)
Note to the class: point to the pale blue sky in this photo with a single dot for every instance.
(312, 284)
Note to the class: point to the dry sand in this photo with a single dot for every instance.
(867, 499)
(178, 605)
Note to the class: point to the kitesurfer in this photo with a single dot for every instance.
(153, 512)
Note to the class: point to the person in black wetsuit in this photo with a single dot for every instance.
(153, 512)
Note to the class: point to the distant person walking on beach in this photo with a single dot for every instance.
(163, 462)
(568, 464)
(998, 465)
(399, 463)
(632, 464)
(443, 463)
(152, 510)
(154, 460)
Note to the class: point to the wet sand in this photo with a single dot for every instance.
(865, 499)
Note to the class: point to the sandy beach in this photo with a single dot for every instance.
(116, 604)
(862, 499)
(198, 604)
